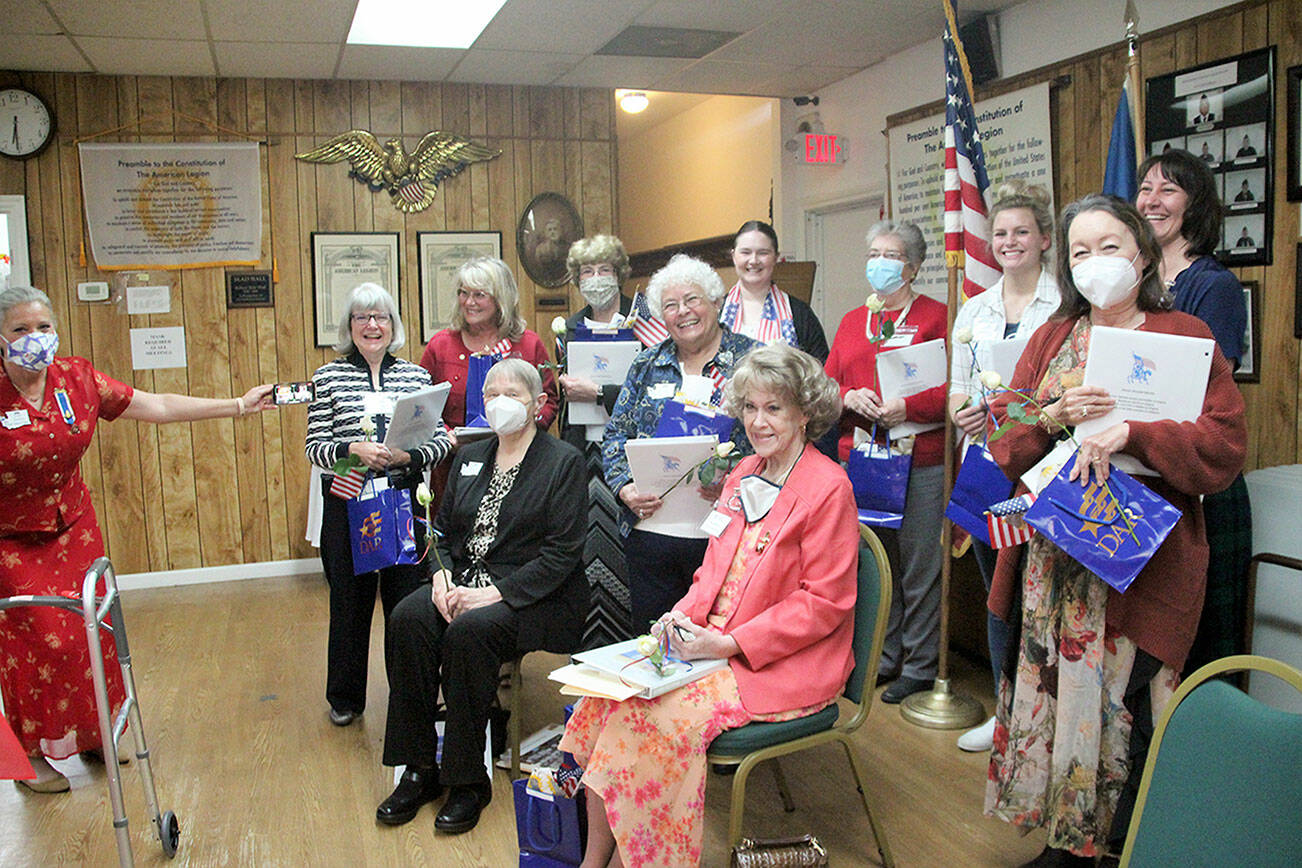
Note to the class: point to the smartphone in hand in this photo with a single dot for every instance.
(293, 393)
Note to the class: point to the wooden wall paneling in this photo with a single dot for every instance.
(358, 103)
(308, 194)
(574, 192)
(502, 212)
(1157, 56)
(1062, 114)
(1220, 37)
(420, 111)
(1256, 22)
(498, 115)
(1112, 73)
(477, 106)
(1088, 152)
(1186, 48)
(1285, 27)
(520, 111)
(596, 114)
(386, 107)
(524, 192)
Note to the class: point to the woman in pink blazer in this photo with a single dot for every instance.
(775, 596)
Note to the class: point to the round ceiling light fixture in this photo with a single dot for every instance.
(633, 101)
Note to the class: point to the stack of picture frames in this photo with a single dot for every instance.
(1223, 113)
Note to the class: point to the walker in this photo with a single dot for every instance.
(166, 826)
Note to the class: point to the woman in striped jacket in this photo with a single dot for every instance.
(354, 400)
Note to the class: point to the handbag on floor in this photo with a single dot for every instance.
(549, 826)
(801, 852)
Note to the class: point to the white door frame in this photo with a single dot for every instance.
(814, 216)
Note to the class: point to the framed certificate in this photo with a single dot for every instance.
(342, 261)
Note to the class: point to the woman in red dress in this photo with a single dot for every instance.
(48, 531)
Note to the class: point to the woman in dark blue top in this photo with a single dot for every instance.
(1177, 194)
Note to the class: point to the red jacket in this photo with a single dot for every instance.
(853, 364)
(794, 618)
(445, 359)
(1160, 610)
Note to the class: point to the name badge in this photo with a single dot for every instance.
(716, 523)
(472, 468)
(660, 391)
(16, 419)
(903, 337)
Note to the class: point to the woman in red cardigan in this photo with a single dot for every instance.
(486, 320)
(775, 596)
(1095, 667)
(895, 253)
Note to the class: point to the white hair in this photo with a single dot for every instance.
(369, 296)
(684, 270)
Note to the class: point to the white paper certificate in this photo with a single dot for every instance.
(416, 417)
(1152, 375)
(1004, 356)
(908, 371)
(656, 464)
(605, 363)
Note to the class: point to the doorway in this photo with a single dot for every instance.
(834, 238)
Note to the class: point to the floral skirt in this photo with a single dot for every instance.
(646, 759)
(1062, 732)
(44, 661)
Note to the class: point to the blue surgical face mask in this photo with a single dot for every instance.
(34, 350)
(884, 275)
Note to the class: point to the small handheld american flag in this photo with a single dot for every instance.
(646, 328)
(1005, 520)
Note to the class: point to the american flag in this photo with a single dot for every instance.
(967, 228)
(349, 485)
(1006, 524)
(646, 328)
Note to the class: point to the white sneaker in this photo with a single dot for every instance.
(48, 778)
(978, 740)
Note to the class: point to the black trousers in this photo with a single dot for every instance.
(352, 604)
(660, 570)
(463, 658)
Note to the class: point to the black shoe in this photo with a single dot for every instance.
(903, 687)
(884, 677)
(461, 811)
(1051, 857)
(342, 718)
(415, 788)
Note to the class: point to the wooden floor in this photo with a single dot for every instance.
(231, 682)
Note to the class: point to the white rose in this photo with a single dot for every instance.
(991, 379)
(558, 325)
(875, 302)
(647, 645)
(423, 495)
(724, 449)
(963, 335)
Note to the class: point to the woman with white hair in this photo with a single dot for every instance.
(355, 395)
(49, 534)
(895, 254)
(510, 580)
(686, 294)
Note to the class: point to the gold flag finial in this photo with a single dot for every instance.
(1132, 25)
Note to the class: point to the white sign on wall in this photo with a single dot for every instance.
(1015, 133)
(153, 348)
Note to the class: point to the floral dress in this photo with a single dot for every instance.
(646, 757)
(1062, 732)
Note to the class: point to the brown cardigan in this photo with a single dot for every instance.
(1160, 611)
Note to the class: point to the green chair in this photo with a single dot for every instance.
(1223, 782)
(749, 745)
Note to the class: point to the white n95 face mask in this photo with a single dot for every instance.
(1105, 280)
(505, 414)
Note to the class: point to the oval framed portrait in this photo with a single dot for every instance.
(548, 226)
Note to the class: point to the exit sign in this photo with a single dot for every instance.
(822, 148)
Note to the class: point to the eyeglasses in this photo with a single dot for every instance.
(476, 294)
(364, 318)
(604, 269)
(694, 302)
(886, 254)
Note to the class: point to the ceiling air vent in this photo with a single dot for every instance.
(666, 42)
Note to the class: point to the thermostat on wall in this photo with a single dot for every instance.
(95, 290)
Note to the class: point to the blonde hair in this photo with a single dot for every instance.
(796, 376)
(494, 277)
(598, 250)
(1016, 193)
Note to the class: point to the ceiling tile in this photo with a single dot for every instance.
(809, 79)
(28, 16)
(636, 72)
(727, 77)
(740, 15)
(161, 19)
(793, 42)
(147, 56)
(398, 63)
(276, 60)
(573, 26)
(45, 53)
(483, 66)
(278, 21)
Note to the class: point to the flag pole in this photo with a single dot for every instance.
(1132, 73)
(940, 707)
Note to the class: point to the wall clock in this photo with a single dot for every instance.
(26, 123)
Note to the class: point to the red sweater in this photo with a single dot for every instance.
(853, 364)
(445, 359)
(1160, 610)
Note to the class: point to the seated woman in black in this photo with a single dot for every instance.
(511, 530)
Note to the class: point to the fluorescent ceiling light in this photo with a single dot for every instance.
(421, 23)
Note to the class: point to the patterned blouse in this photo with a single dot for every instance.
(485, 529)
